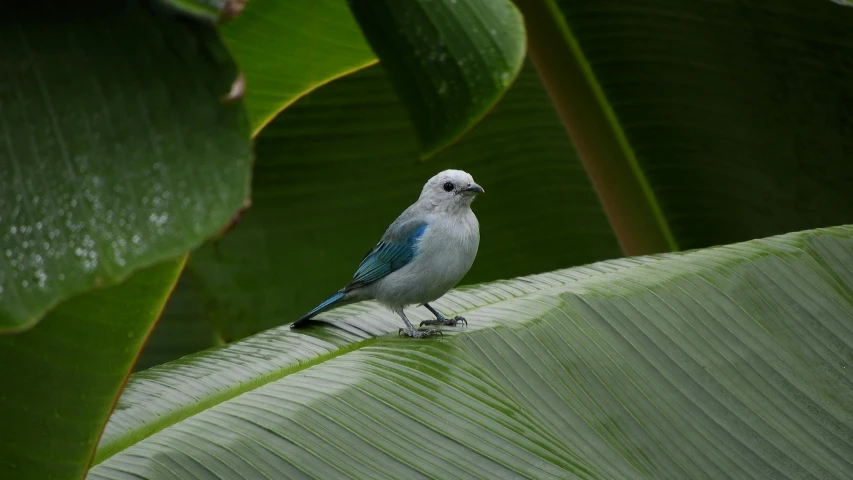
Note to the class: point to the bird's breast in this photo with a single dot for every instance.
(444, 255)
(451, 243)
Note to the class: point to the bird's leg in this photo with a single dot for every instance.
(411, 331)
(442, 320)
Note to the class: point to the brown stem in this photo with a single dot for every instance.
(604, 150)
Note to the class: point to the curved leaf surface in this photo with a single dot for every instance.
(132, 160)
(449, 61)
(337, 167)
(691, 117)
(60, 380)
(730, 362)
(287, 49)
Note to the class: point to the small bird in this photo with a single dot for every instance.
(421, 256)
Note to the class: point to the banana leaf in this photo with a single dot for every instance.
(728, 362)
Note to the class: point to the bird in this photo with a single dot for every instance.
(422, 255)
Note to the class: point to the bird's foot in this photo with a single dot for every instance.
(415, 333)
(450, 322)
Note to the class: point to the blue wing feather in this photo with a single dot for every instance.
(386, 257)
(398, 247)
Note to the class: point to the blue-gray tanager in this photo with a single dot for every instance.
(423, 254)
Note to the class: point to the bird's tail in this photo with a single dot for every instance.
(327, 304)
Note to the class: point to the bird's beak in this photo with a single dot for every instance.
(472, 189)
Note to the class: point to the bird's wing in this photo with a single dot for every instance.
(396, 249)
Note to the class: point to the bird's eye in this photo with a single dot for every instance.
(448, 186)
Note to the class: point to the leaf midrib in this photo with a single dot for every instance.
(124, 440)
(121, 442)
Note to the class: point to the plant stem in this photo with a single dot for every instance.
(628, 200)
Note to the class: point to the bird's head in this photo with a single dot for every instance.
(450, 189)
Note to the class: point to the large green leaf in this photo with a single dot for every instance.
(287, 49)
(730, 362)
(337, 167)
(704, 122)
(116, 148)
(60, 380)
(450, 61)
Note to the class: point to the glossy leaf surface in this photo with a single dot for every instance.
(729, 362)
(286, 49)
(449, 61)
(60, 380)
(116, 148)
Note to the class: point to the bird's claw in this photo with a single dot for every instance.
(414, 333)
(450, 322)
